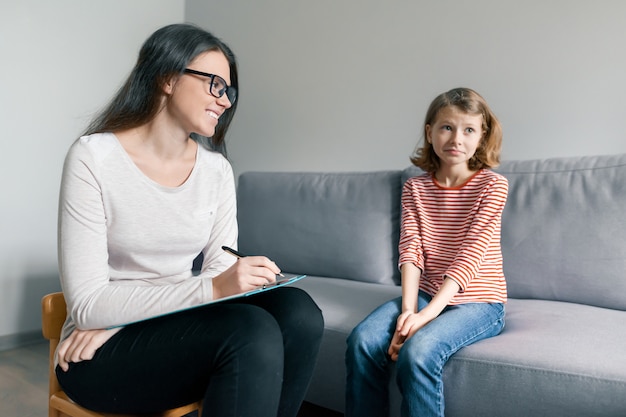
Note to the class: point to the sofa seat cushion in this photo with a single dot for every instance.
(540, 365)
(552, 359)
(344, 304)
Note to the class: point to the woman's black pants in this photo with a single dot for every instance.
(251, 356)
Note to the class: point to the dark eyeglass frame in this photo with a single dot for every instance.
(229, 90)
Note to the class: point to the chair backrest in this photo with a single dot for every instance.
(53, 313)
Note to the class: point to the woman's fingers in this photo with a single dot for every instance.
(246, 274)
(82, 345)
(262, 266)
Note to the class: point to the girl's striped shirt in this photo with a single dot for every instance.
(455, 233)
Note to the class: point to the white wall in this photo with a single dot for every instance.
(344, 85)
(326, 85)
(61, 61)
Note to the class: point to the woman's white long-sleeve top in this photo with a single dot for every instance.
(127, 244)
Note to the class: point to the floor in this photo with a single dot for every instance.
(24, 381)
(24, 384)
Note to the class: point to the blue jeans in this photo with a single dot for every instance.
(420, 361)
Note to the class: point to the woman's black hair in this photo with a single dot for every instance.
(166, 53)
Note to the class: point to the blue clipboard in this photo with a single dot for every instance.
(288, 279)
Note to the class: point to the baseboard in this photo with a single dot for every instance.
(14, 341)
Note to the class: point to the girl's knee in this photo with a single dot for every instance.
(362, 342)
(420, 357)
(357, 339)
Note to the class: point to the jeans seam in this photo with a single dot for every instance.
(469, 340)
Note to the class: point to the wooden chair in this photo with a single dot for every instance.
(54, 311)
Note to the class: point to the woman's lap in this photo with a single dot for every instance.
(232, 348)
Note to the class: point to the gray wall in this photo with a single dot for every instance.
(326, 85)
(344, 85)
(61, 61)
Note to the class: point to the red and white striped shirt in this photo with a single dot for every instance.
(455, 233)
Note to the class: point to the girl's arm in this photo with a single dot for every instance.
(410, 286)
(484, 228)
(411, 320)
(446, 292)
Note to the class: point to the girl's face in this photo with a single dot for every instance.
(455, 136)
(191, 104)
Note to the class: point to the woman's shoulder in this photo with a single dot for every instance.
(95, 147)
(96, 140)
(213, 160)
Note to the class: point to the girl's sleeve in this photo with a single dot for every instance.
(484, 228)
(410, 247)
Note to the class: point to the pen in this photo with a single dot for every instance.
(238, 254)
(233, 252)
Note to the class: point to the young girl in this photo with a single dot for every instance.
(140, 199)
(453, 287)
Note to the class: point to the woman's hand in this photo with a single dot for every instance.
(407, 325)
(81, 345)
(246, 274)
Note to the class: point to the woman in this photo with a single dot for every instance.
(140, 200)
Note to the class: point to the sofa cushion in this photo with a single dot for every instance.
(564, 229)
(344, 304)
(552, 359)
(343, 225)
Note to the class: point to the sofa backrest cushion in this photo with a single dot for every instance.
(564, 229)
(339, 225)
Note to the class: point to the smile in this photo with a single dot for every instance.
(213, 115)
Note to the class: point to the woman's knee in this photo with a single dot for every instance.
(257, 338)
(305, 312)
(256, 324)
(296, 313)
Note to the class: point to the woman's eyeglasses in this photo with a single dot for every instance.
(216, 85)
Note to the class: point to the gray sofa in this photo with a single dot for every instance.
(563, 350)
